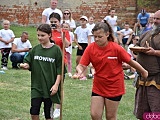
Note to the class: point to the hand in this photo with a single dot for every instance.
(24, 65)
(141, 27)
(54, 89)
(151, 51)
(144, 74)
(26, 49)
(80, 47)
(6, 42)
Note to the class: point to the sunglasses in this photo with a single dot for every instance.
(66, 13)
(136, 39)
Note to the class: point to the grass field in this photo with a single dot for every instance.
(15, 93)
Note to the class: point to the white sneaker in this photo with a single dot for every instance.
(4, 68)
(76, 46)
(70, 74)
(43, 113)
(56, 113)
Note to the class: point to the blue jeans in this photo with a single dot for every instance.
(16, 58)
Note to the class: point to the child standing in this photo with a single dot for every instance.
(82, 39)
(6, 38)
(66, 26)
(44, 62)
(112, 20)
(108, 87)
(91, 25)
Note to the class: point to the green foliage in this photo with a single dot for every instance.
(147, 3)
(15, 93)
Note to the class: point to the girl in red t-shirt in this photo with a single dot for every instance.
(57, 32)
(106, 57)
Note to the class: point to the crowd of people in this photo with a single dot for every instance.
(101, 47)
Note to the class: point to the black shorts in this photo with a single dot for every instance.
(36, 105)
(80, 52)
(118, 98)
(143, 25)
(124, 40)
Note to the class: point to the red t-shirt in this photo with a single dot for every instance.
(107, 61)
(57, 38)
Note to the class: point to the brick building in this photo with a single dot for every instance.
(28, 12)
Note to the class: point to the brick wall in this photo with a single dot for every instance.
(30, 13)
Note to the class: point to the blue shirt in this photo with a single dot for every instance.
(143, 18)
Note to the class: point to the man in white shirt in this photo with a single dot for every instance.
(53, 8)
(20, 48)
(112, 20)
(125, 35)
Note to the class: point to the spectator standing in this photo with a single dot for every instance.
(112, 20)
(44, 63)
(53, 8)
(69, 49)
(91, 25)
(82, 40)
(147, 98)
(108, 87)
(67, 18)
(57, 32)
(20, 47)
(6, 38)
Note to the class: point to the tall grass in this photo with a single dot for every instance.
(15, 92)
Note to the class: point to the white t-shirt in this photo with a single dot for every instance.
(112, 21)
(22, 45)
(69, 49)
(129, 51)
(125, 32)
(6, 35)
(48, 11)
(91, 26)
(71, 23)
(82, 34)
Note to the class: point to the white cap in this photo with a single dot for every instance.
(84, 17)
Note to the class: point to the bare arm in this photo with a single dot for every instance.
(67, 43)
(139, 24)
(5, 41)
(11, 40)
(76, 41)
(89, 39)
(14, 49)
(80, 69)
(54, 88)
(151, 51)
(1, 39)
(139, 68)
(44, 19)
